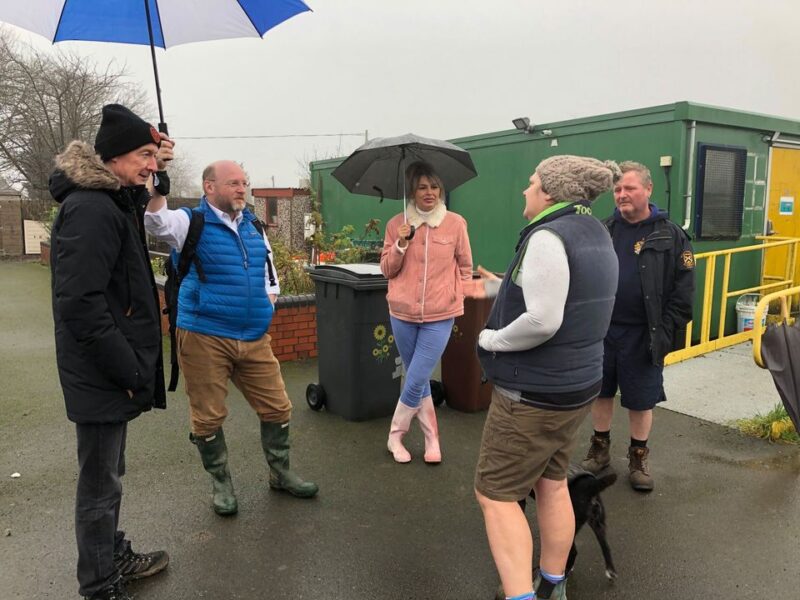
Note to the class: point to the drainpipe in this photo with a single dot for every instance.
(767, 223)
(687, 214)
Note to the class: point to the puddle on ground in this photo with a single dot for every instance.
(785, 461)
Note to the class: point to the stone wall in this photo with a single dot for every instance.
(292, 205)
(290, 221)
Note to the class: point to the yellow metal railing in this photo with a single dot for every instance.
(710, 300)
(785, 296)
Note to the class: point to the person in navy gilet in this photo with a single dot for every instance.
(224, 311)
(542, 349)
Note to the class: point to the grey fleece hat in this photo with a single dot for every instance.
(572, 178)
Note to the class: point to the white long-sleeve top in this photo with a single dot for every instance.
(543, 276)
(172, 227)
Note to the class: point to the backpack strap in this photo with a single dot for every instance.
(188, 255)
(186, 258)
(260, 225)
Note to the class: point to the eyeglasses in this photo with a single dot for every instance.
(235, 183)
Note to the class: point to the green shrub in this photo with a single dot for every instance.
(291, 271)
(775, 426)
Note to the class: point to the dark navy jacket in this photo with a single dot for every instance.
(105, 301)
(665, 265)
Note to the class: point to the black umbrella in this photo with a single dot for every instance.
(780, 352)
(378, 167)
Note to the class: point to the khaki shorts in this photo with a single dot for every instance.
(522, 444)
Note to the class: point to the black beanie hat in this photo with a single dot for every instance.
(122, 131)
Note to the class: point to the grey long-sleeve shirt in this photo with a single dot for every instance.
(543, 276)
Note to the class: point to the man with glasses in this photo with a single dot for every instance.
(225, 307)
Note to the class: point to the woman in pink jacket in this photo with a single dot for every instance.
(425, 272)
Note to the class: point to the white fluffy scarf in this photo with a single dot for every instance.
(432, 219)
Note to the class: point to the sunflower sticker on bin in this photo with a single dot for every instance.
(383, 342)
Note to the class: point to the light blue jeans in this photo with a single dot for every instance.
(420, 346)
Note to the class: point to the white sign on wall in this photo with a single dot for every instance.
(308, 226)
(786, 205)
(35, 233)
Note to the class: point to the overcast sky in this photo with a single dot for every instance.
(451, 68)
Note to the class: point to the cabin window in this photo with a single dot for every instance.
(720, 192)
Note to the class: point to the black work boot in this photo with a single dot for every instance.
(639, 476)
(275, 443)
(214, 454)
(599, 456)
(114, 591)
(132, 565)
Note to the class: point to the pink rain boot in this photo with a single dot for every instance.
(403, 415)
(430, 429)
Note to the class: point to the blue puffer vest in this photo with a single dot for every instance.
(563, 373)
(232, 302)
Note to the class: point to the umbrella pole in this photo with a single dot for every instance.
(162, 126)
(401, 167)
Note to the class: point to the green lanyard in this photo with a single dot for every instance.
(539, 217)
(549, 210)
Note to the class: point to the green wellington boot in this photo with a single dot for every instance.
(275, 442)
(214, 454)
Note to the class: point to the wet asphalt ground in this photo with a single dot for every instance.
(723, 521)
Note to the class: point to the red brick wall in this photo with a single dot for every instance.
(44, 256)
(294, 330)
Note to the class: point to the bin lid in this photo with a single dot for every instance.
(364, 276)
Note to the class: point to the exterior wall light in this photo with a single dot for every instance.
(523, 124)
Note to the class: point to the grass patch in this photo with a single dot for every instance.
(775, 426)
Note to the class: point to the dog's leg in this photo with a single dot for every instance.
(573, 553)
(598, 525)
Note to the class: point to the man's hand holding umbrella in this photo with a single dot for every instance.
(158, 186)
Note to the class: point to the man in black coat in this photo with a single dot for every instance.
(107, 329)
(653, 304)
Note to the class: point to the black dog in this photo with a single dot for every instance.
(584, 492)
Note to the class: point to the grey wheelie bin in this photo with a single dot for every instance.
(359, 367)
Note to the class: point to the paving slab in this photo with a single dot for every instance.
(723, 522)
(721, 386)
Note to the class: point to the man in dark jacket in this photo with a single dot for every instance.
(107, 329)
(653, 305)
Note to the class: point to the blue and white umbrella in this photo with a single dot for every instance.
(154, 23)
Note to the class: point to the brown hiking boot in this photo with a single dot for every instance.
(598, 457)
(639, 476)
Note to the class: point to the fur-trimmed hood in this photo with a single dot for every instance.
(434, 219)
(79, 167)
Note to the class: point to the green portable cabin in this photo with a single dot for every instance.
(711, 170)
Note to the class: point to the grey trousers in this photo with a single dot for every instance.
(101, 464)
